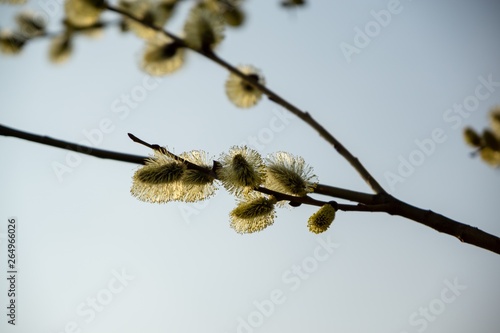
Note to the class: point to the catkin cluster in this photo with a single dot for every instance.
(242, 172)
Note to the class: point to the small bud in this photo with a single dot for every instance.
(162, 57)
(490, 156)
(321, 220)
(11, 42)
(234, 17)
(490, 140)
(471, 137)
(61, 48)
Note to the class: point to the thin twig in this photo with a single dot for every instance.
(210, 172)
(7, 131)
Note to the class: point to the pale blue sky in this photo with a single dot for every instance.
(191, 271)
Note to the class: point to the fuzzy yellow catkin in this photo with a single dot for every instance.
(241, 93)
(164, 179)
(203, 30)
(60, 49)
(11, 42)
(234, 17)
(490, 156)
(289, 174)
(161, 174)
(150, 12)
(241, 169)
(196, 185)
(471, 137)
(321, 220)
(30, 23)
(490, 140)
(162, 57)
(82, 13)
(254, 214)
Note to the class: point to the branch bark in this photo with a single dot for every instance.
(383, 203)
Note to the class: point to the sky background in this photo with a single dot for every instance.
(181, 268)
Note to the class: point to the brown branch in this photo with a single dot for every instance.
(465, 233)
(367, 202)
(337, 192)
(45, 140)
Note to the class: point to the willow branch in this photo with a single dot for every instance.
(465, 233)
(367, 202)
(45, 140)
(337, 192)
(305, 116)
(163, 150)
